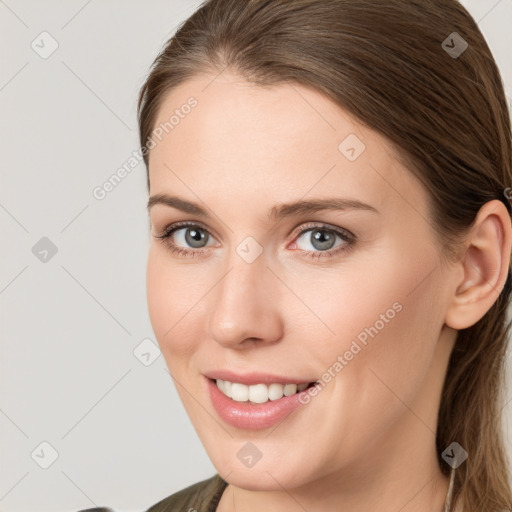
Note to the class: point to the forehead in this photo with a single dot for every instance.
(279, 142)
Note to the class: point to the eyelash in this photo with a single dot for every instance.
(346, 236)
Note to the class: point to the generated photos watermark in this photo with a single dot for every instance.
(101, 191)
(357, 345)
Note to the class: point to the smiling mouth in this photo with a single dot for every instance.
(259, 393)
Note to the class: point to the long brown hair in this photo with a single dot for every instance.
(439, 98)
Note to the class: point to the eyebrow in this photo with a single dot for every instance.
(276, 213)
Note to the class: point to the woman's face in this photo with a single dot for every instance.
(351, 295)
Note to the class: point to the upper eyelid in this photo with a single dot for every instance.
(175, 226)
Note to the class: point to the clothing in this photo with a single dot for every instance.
(203, 496)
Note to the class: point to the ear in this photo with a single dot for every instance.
(485, 266)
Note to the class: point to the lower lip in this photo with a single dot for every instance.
(252, 416)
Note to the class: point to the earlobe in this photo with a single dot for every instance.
(485, 265)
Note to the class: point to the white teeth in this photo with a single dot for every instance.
(227, 388)
(275, 391)
(290, 389)
(239, 392)
(224, 386)
(258, 393)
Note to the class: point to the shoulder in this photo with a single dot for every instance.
(97, 509)
(202, 496)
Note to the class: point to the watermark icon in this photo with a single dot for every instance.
(44, 455)
(454, 455)
(101, 191)
(44, 250)
(454, 45)
(351, 147)
(249, 249)
(355, 348)
(146, 352)
(44, 45)
(249, 454)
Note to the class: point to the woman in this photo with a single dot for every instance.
(329, 270)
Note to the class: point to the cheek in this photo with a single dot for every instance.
(379, 313)
(172, 306)
(386, 340)
(362, 301)
(387, 329)
(157, 293)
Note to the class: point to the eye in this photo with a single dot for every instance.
(194, 236)
(190, 239)
(178, 236)
(321, 241)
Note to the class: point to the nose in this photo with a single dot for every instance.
(246, 305)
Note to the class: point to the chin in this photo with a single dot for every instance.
(262, 479)
(270, 473)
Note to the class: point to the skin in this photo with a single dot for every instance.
(367, 440)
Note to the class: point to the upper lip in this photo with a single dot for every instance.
(255, 378)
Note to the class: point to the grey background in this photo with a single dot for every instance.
(69, 376)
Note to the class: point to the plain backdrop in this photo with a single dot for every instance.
(84, 422)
